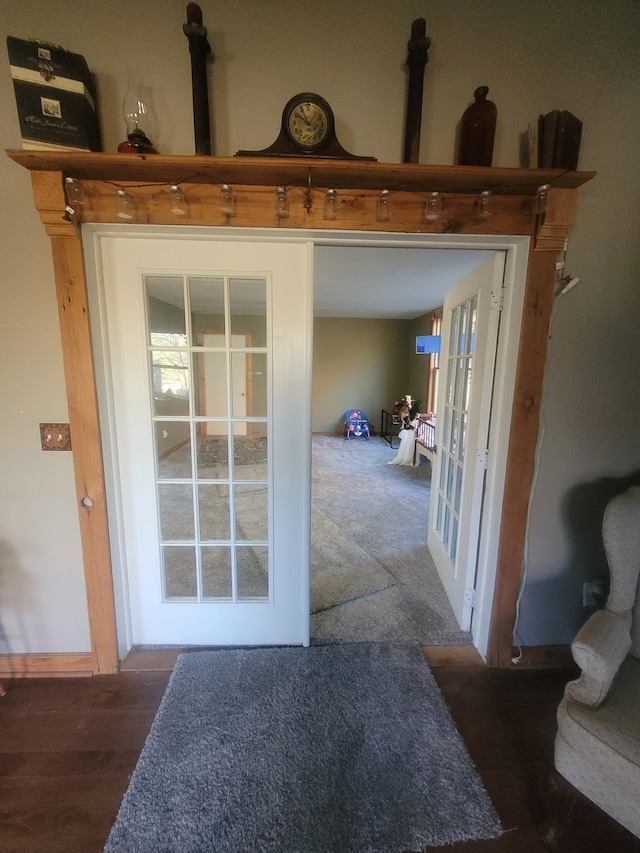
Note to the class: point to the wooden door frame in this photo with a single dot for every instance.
(515, 213)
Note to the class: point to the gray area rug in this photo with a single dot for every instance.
(330, 749)
(372, 576)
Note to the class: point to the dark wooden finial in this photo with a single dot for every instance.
(418, 47)
(199, 48)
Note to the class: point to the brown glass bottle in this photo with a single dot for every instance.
(477, 131)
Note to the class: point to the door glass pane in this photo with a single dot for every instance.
(466, 382)
(446, 436)
(453, 546)
(446, 526)
(463, 437)
(453, 444)
(248, 304)
(210, 380)
(462, 329)
(170, 380)
(212, 455)
(458, 489)
(451, 384)
(451, 466)
(258, 382)
(216, 572)
(165, 310)
(443, 472)
(253, 571)
(173, 450)
(206, 299)
(249, 384)
(179, 564)
(453, 337)
(473, 317)
(251, 506)
(240, 366)
(460, 377)
(213, 512)
(176, 512)
(250, 451)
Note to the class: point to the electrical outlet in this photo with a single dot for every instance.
(55, 436)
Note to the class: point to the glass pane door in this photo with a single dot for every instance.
(470, 326)
(458, 373)
(207, 344)
(209, 348)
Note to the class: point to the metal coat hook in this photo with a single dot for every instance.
(307, 199)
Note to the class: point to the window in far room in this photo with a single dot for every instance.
(434, 363)
(430, 345)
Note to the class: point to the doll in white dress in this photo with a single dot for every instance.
(408, 414)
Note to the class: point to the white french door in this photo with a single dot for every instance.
(467, 363)
(207, 346)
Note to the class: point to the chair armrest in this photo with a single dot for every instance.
(599, 648)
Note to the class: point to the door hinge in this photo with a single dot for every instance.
(483, 457)
(470, 597)
(497, 299)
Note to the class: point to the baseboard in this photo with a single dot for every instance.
(532, 657)
(55, 665)
(542, 657)
(452, 656)
(151, 660)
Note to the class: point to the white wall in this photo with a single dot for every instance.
(572, 54)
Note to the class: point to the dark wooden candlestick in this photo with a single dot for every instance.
(418, 57)
(199, 48)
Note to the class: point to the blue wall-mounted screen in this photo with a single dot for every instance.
(427, 343)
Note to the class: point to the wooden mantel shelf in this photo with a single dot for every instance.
(286, 171)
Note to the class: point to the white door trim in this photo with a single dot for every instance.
(517, 253)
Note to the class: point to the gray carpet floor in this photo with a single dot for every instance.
(372, 576)
(329, 749)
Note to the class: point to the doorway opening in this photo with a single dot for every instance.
(373, 577)
(294, 469)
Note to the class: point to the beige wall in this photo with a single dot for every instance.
(356, 364)
(580, 55)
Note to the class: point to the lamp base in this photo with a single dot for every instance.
(136, 143)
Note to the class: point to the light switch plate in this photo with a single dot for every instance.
(55, 436)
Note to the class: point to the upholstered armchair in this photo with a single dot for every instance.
(598, 742)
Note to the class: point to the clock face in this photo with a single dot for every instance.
(308, 125)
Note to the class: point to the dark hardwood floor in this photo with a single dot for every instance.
(67, 747)
(508, 721)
